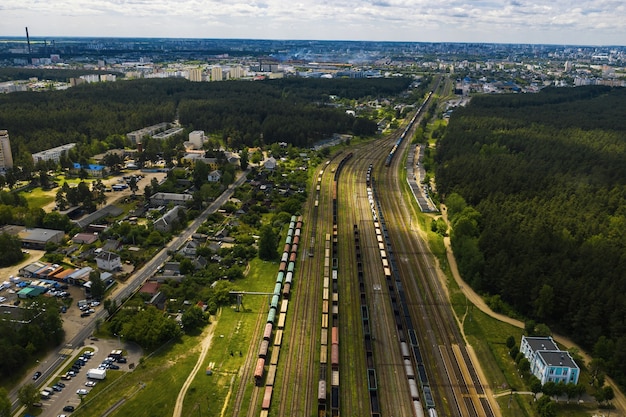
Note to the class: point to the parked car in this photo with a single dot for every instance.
(36, 376)
(61, 384)
(121, 360)
(90, 383)
(113, 366)
(82, 391)
(69, 408)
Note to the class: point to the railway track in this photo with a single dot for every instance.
(458, 392)
(297, 375)
(246, 373)
(455, 386)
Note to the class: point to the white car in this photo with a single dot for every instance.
(82, 391)
(3, 299)
(90, 383)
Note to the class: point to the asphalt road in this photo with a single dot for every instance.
(135, 281)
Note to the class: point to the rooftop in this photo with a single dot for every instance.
(541, 343)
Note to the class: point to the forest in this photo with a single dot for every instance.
(293, 110)
(536, 190)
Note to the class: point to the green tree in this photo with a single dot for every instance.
(524, 365)
(5, 403)
(200, 174)
(150, 328)
(267, 244)
(11, 249)
(544, 302)
(535, 385)
(98, 190)
(57, 221)
(97, 286)
(28, 395)
(186, 266)
(154, 238)
(193, 318)
(132, 184)
(110, 306)
(243, 159)
(608, 393)
(542, 330)
(510, 342)
(546, 407)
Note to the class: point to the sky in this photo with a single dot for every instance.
(572, 22)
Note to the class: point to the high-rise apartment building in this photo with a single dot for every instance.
(216, 73)
(236, 72)
(195, 74)
(6, 159)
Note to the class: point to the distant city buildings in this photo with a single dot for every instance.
(6, 158)
(53, 154)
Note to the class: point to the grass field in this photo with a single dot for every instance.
(152, 388)
(38, 198)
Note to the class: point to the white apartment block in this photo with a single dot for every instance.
(6, 158)
(197, 138)
(53, 154)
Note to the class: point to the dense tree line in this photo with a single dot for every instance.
(21, 343)
(290, 110)
(536, 190)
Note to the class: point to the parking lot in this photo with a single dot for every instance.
(68, 395)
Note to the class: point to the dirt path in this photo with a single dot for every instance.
(620, 399)
(206, 344)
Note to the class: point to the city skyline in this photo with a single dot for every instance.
(586, 22)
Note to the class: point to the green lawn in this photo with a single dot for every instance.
(38, 198)
(152, 389)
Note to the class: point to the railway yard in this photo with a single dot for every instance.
(359, 322)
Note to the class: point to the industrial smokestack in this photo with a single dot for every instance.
(28, 40)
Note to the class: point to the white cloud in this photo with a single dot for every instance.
(524, 21)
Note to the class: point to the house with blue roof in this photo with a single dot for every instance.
(93, 170)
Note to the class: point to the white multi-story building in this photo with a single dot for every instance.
(197, 138)
(6, 158)
(547, 362)
(53, 154)
(109, 261)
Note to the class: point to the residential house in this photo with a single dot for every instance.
(189, 249)
(109, 261)
(163, 199)
(214, 176)
(270, 164)
(85, 238)
(165, 223)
